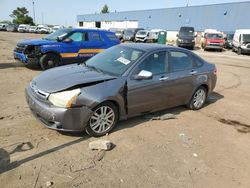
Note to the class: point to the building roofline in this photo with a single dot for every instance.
(143, 10)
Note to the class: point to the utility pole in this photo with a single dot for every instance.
(34, 14)
(187, 3)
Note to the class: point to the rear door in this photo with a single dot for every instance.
(183, 76)
(92, 45)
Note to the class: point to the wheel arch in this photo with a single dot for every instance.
(53, 52)
(205, 86)
(116, 105)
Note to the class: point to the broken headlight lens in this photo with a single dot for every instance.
(64, 99)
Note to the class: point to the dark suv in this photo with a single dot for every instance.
(129, 34)
(186, 37)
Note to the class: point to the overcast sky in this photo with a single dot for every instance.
(64, 12)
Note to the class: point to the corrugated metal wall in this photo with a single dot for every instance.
(223, 17)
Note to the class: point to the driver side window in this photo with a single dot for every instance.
(157, 63)
(76, 37)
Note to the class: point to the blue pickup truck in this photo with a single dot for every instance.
(64, 46)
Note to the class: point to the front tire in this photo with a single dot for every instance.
(49, 60)
(103, 120)
(198, 99)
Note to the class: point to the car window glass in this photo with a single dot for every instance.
(180, 61)
(198, 61)
(156, 63)
(94, 36)
(115, 60)
(111, 36)
(76, 37)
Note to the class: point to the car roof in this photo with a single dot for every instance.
(85, 29)
(151, 47)
(243, 31)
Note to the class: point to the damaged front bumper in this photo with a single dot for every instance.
(62, 119)
(27, 54)
(23, 58)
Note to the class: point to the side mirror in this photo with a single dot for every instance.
(68, 40)
(177, 35)
(195, 36)
(59, 38)
(144, 75)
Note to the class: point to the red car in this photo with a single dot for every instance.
(213, 41)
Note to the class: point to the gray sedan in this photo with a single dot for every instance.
(122, 82)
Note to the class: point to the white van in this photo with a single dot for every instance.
(23, 28)
(241, 41)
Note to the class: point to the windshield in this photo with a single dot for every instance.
(142, 33)
(115, 60)
(129, 32)
(246, 37)
(214, 36)
(230, 36)
(33, 27)
(118, 32)
(187, 31)
(60, 32)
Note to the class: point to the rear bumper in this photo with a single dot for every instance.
(62, 119)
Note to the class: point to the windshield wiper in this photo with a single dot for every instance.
(94, 68)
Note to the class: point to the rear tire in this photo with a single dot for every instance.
(49, 60)
(198, 99)
(239, 51)
(103, 120)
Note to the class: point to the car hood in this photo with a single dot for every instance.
(65, 77)
(141, 35)
(129, 35)
(37, 42)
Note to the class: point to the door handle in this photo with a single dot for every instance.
(193, 72)
(163, 78)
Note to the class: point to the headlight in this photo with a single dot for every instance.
(193, 40)
(64, 99)
(180, 40)
(37, 49)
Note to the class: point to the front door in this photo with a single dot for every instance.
(71, 46)
(148, 95)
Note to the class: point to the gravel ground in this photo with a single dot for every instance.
(209, 148)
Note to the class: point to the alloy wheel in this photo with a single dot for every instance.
(199, 98)
(102, 119)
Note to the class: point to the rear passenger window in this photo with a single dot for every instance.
(112, 36)
(94, 36)
(198, 62)
(180, 61)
